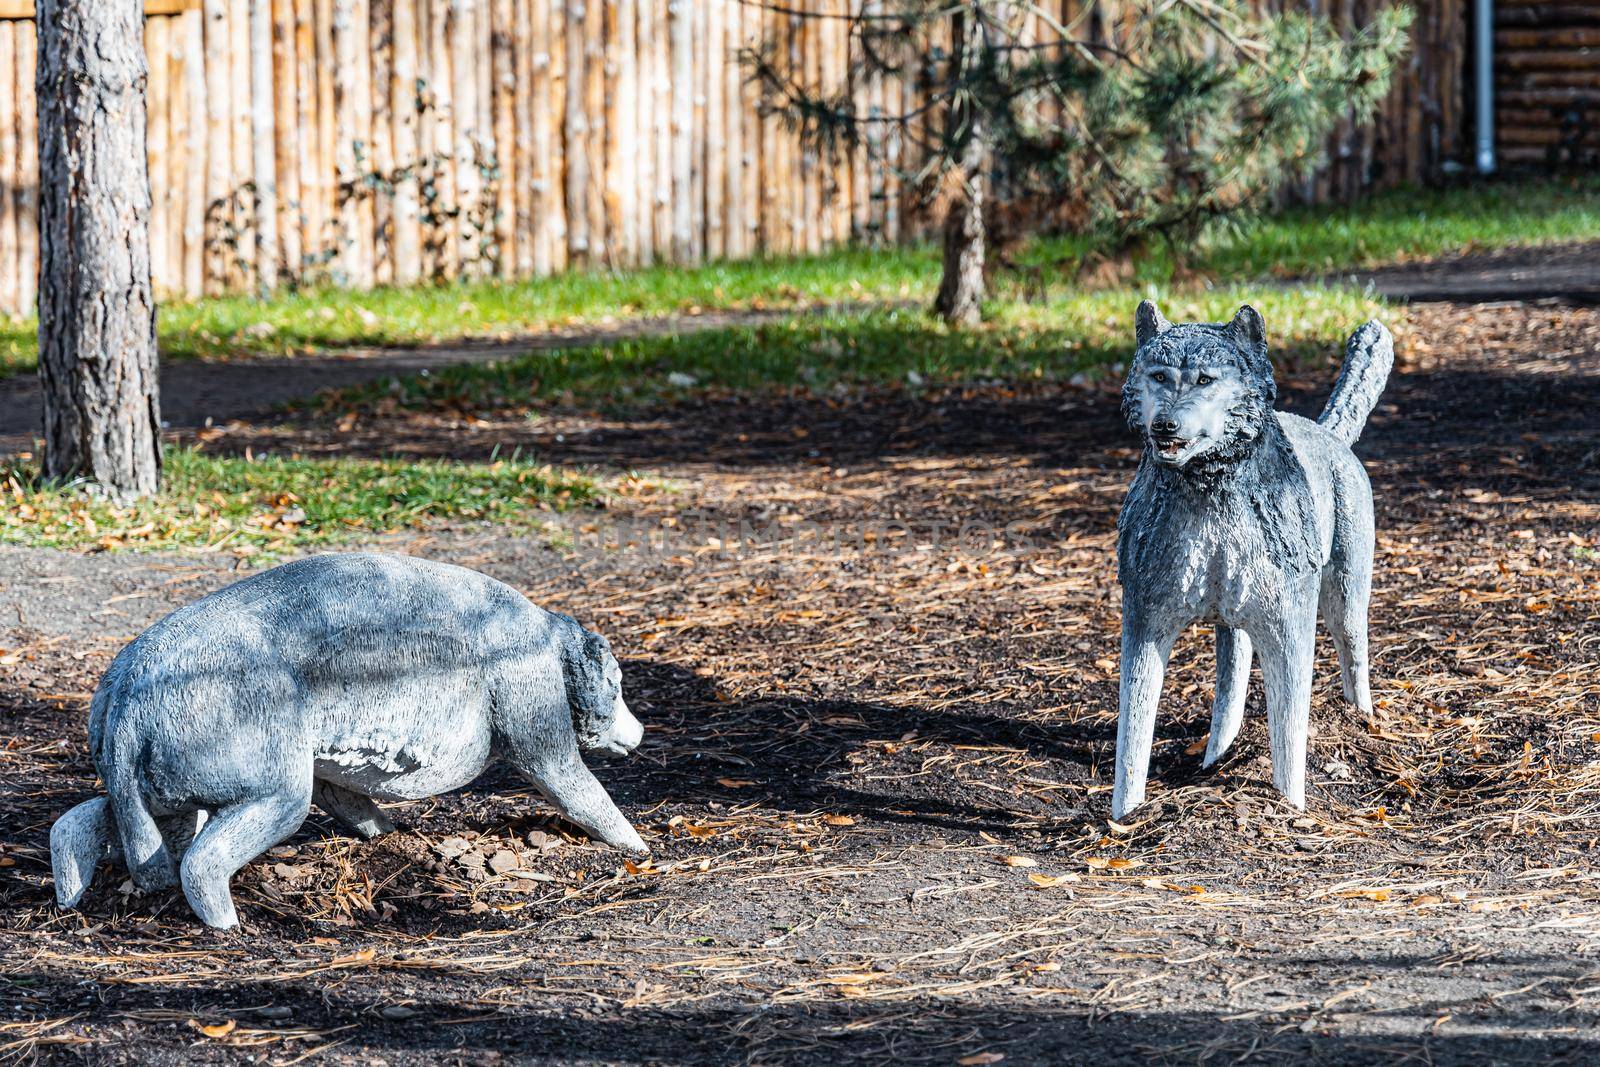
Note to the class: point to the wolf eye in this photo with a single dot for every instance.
(1205, 379)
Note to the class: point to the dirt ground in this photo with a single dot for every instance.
(880, 717)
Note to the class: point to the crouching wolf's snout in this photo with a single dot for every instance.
(339, 681)
(1245, 516)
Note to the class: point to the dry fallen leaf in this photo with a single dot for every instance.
(363, 956)
(838, 820)
(1019, 861)
(1050, 881)
(222, 1029)
(733, 783)
(979, 1058)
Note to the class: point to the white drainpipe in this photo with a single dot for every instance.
(1483, 69)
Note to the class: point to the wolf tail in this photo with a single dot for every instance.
(143, 848)
(1368, 358)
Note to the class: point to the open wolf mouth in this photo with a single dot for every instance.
(1170, 447)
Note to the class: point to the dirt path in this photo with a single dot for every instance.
(877, 767)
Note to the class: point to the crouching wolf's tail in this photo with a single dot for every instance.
(1368, 358)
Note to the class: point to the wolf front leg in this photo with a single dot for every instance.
(578, 796)
(1287, 650)
(1145, 648)
(354, 812)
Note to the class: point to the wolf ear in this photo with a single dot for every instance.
(583, 663)
(1148, 323)
(1248, 329)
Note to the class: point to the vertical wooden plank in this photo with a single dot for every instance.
(577, 135)
(860, 178)
(894, 104)
(313, 238)
(733, 135)
(661, 134)
(502, 24)
(697, 165)
(346, 143)
(643, 136)
(361, 84)
(263, 134)
(380, 91)
(715, 162)
(158, 147)
(220, 222)
(750, 153)
(286, 140)
(327, 61)
(198, 170)
(538, 121)
(470, 230)
(770, 238)
(521, 91)
(877, 180)
(443, 148)
(595, 108)
(681, 28)
(611, 34)
(794, 151)
(623, 144)
(242, 271)
(837, 186)
(325, 117)
(27, 189)
(10, 179)
(811, 158)
(403, 95)
(556, 220)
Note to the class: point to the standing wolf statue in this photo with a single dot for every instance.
(341, 680)
(1252, 517)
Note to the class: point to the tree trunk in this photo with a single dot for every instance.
(960, 296)
(97, 315)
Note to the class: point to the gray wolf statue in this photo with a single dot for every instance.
(339, 680)
(1251, 517)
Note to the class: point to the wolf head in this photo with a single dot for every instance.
(600, 717)
(1199, 394)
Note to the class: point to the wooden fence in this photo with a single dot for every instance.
(366, 142)
(1547, 82)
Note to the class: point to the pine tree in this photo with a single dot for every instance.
(1134, 126)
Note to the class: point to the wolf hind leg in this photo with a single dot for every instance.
(1346, 591)
(1233, 682)
(354, 812)
(233, 837)
(79, 841)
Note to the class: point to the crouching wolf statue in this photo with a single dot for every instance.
(338, 680)
(1251, 517)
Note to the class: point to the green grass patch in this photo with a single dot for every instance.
(1056, 339)
(1387, 228)
(296, 322)
(270, 505)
